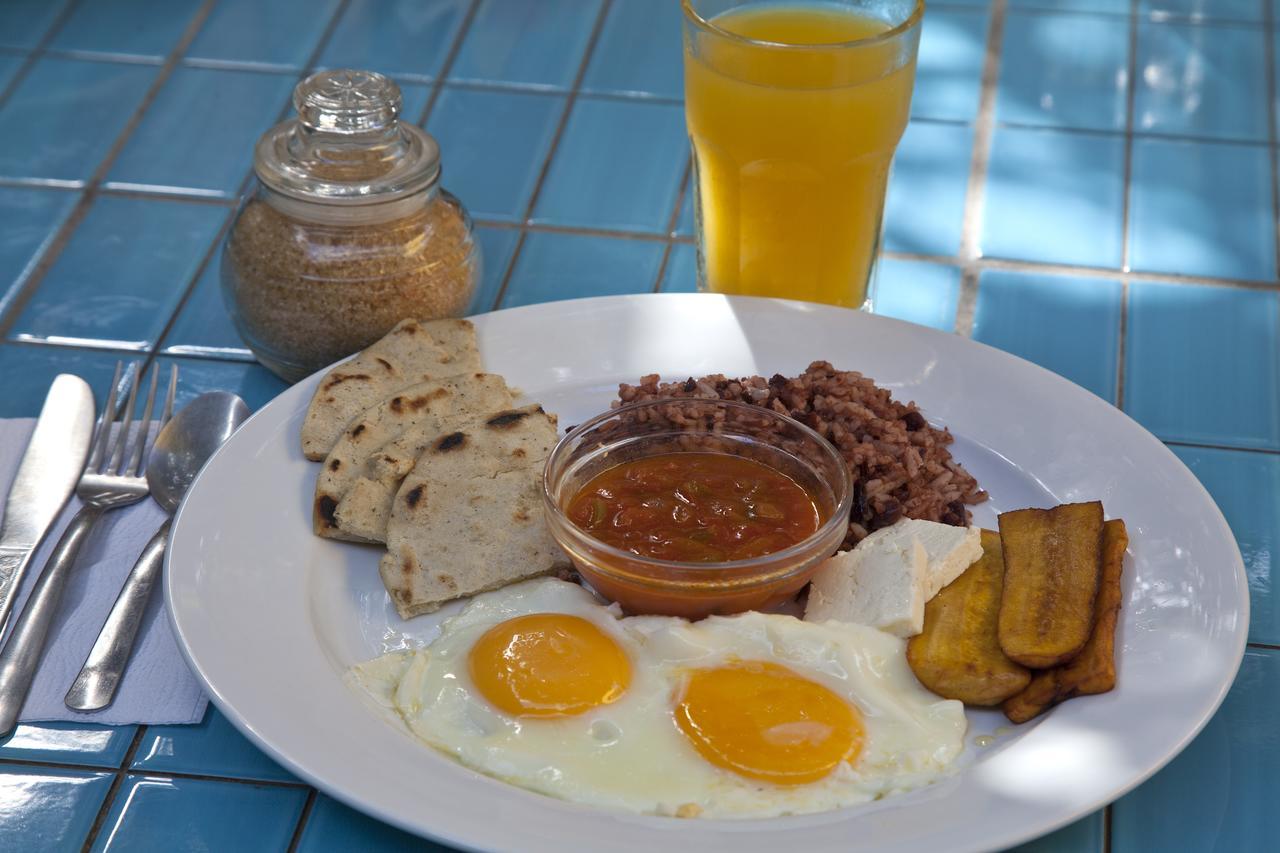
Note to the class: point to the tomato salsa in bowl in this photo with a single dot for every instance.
(692, 507)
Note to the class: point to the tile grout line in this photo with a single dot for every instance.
(1131, 99)
(128, 768)
(569, 103)
(28, 287)
(991, 262)
(975, 192)
(37, 51)
(1269, 86)
(446, 67)
(1204, 445)
(116, 784)
(672, 223)
(307, 808)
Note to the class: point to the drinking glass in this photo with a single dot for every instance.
(794, 110)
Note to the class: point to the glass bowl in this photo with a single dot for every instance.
(693, 590)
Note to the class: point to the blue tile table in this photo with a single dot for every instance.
(1089, 184)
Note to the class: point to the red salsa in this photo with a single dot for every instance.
(695, 507)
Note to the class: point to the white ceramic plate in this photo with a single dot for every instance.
(271, 616)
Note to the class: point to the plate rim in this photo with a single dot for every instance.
(1011, 837)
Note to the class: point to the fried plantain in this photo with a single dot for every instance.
(1094, 669)
(1044, 691)
(1051, 568)
(957, 655)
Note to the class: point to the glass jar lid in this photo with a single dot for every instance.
(347, 145)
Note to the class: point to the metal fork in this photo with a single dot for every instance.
(112, 478)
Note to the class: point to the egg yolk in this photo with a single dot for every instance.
(548, 665)
(764, 721)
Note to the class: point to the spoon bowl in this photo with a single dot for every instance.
(187, 441)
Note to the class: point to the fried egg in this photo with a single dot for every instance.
(752, 715)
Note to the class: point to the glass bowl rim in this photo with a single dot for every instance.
(706, 25)
(839, 517)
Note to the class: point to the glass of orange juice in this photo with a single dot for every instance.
(794, 109)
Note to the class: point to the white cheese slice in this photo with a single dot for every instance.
(880, 583)
(951, 550)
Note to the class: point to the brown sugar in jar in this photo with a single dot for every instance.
(347, 232)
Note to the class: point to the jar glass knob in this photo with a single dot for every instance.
(346, 101)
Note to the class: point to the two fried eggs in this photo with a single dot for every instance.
(752, 715)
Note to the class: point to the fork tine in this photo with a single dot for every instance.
(102, 432)
(142, 433)
(126, 420)
(168, 397)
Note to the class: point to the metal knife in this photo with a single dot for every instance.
(46, 477)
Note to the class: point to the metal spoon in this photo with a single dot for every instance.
(180, 451)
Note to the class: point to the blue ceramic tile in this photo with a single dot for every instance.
(1222, 10)
(334, 828)
(153, 813)
(28, 370)
(496, 246)
(395, 37)
(30, 218)
(1064, 71)
(24, 22)
(925, 208)
(283, 33)
(1068, 324)
(212, 748)
(257, 386)
(1246, 487)
(1055, 196)
(639, 51)
(534, 44)
(949, 69)
(109, 285)
(203, 326)
(69, 743)
(9, 65)
(684, 224)
(566, 266)
(66, 114)
(588, 185)
(493, 146)
(414, 98)
(1114, 7)
(1219, 793)
(209, 116)
(149, 28)
(48, 809)
(1202, 209)
(917, 292)
(681, 274)
(1201, 81)
(1087, 835)
(1203, 364)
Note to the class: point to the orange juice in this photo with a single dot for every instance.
(792, 145)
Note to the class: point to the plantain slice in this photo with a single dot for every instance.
(1051, 568)
(1044, 691)
(957, 655)
(1094, 669)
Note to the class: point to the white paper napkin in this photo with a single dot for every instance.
(157, 687)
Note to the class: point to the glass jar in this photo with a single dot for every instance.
(346, 231)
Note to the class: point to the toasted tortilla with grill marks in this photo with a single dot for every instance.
(401, 424)
(468, 517)
(411, 353)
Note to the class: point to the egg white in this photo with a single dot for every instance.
(630, 755)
